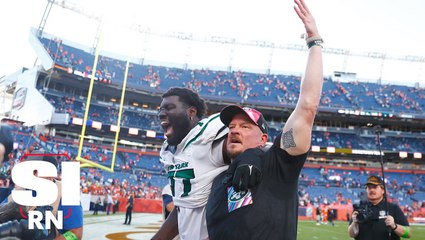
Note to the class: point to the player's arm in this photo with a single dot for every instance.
(75, 233)
(169, 206)
(169, 228)
(296, 134)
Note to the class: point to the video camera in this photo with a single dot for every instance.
(365, 213)
(18, 229)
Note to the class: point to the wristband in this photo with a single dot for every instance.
(394, 227)
(317, 42)
(406, 232)
(70, 236)
(312, 38)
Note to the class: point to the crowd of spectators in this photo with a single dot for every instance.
(143, 175)
(129, 176)
(326, 186)
(95, 182)
(241, 86)
(98, 111)
(134, 117)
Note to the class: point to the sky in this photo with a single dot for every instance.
(394, 27)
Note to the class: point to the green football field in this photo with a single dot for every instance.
(308, 230)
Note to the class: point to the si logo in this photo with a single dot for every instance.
(35, 175)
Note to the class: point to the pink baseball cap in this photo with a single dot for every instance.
(227, 114)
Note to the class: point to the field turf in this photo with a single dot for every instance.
(308, 230)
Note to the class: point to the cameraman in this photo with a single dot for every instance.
(370, 221)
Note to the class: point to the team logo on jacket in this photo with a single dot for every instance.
(237, 200)
(236, 196)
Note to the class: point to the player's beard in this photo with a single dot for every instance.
(181, 127)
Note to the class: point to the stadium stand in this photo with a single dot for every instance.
(325, 180)
(240, 86)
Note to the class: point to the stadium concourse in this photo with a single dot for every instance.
(50, 103)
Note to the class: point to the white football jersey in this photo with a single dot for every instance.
(195, 163)
(191, 171)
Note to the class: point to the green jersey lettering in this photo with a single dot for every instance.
(186, 175)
